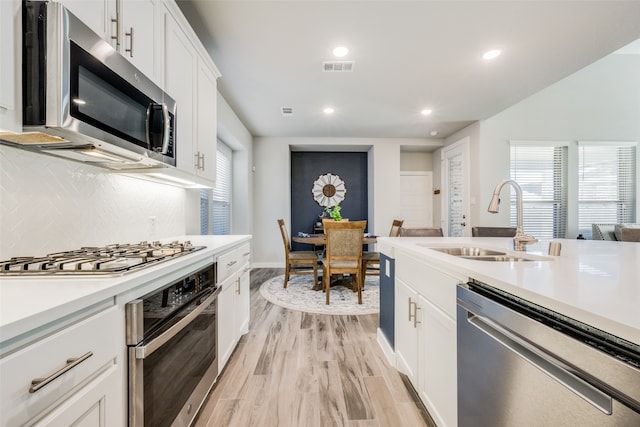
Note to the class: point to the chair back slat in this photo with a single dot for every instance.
(395, 228)
(421, 232)
(285, 236)
(493, 231)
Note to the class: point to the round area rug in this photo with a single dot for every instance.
(299, 296)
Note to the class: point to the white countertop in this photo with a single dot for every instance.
(31, 302)
(595, 282)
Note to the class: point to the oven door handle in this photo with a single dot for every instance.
(143, 351)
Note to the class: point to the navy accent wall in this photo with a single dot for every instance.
(305, 169)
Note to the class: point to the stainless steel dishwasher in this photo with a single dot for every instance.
(520, 364)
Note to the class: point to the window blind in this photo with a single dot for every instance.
(221, 196)
(215, 205)
(541, 171)
(606, 184)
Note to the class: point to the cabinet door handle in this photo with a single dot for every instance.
(410, 309)
(238, 286)
(130, 35)
(116, 21)
(38, 383)
(415, 315)
(199, 161)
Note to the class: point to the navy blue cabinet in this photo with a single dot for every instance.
(387, 298)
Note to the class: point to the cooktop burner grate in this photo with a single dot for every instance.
(111, 259)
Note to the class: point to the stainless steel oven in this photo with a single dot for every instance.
(172, 339)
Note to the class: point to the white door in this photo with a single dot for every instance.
(455, 181)
(416, 199)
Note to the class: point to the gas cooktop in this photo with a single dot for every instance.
(104, 260)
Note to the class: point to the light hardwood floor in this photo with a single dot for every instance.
(300, 369)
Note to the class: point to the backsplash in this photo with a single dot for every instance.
(49, 204)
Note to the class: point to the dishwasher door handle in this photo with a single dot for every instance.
(545, 362)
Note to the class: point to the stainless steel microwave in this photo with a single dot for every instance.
(84, 101)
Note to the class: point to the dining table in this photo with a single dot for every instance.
(321, 239)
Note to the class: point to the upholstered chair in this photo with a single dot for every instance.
(493, 231)
(343, 254)
(421, 232)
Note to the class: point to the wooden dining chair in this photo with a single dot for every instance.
(371, 260)
(343, 254)
(421, 232)
(493, 231)
(297, 262)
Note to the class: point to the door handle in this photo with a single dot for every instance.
(38, 383)
(545, 362)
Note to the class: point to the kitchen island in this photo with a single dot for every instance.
(593, 282)
(46, 319)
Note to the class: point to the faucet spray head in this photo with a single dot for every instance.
(494, 204)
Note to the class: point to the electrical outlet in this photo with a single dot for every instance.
(152, 226)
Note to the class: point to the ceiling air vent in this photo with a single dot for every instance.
(287, 111)
(338, 66)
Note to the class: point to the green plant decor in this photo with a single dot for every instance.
(334, 212)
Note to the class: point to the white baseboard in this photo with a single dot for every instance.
(386, 348)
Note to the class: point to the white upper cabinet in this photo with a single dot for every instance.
(191, 79)
(180, 78)
(139, 39)
(96, 14)
(9, 51)
(206, 135)
(128, 25)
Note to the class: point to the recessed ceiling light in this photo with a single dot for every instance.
(340, 51)
(328, 110)
(434, 132)
(426, 112)
(491, 54)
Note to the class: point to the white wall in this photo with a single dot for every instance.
(272, 186)
(599, 103)
(416, 161)
(233, 133)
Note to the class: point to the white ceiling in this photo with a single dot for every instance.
(408, 55)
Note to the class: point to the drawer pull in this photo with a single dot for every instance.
(38, 383)
(246, 254)
(231, 263)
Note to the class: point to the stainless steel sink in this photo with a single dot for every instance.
(478, 254)
(497, 258)
(465, 251)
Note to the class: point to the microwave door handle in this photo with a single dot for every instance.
(167, 127)
(149, 119)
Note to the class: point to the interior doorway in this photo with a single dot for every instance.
(416, 199)
(455, 181)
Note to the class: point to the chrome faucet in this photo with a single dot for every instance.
(520, 240)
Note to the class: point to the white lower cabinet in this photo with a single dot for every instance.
(92, 406)
(72, 377)
(227, 339)
(407, 330)
(242, 301)
(233, 300)
(425, 335)
(437, 385)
